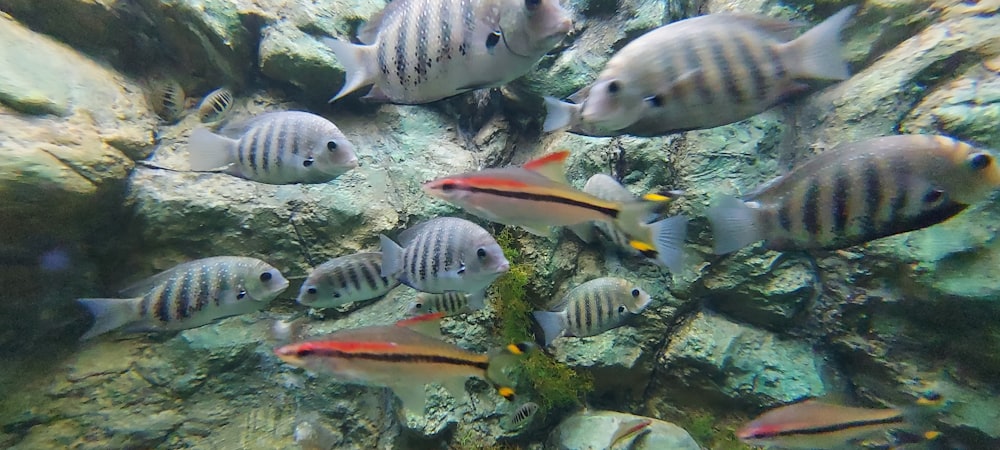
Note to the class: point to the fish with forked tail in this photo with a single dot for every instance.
(593, 308)
(346, 279)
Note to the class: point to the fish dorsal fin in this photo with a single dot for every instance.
(368, 33)
(551, 166)
(780, 29)
(144, 285)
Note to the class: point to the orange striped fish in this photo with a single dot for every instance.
(403, 360)
(536, 196)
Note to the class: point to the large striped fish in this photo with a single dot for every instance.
(444, 254)
(275, 148)
(419, 51)
(189, 295)
(402, 360)
(593, 308)
(858, 192)
(701, 73)
(536, 196)
(346, 279)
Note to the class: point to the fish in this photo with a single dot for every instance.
(188, 295)
(536, 196)
(403, 360)
(701, 73)
(275, 148)
(858, 192)
(451, 303)
(444, 254)
(812, 424)
(167, 99)
(346, 279)
(216, 105)
(628, 431)
(420, 51)
(520, 417)
(592, 308)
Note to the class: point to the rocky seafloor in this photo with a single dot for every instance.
(80, 144)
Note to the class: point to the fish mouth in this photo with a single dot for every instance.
(503, 267)
(287, 353)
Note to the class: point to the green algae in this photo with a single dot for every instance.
(710, 433)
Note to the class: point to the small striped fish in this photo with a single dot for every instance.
(276, 148)
(858, 192)
(593, 308)
(216, 105)
(812, 424)
(451, 303)
(346, 279)
(444, 254)
(536, 196)
(189, 295)
(520, 417)
(701, 73)
(168, 99)
(419, 51)
(402, 360)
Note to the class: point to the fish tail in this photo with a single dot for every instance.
(559, 114)
(109, 314)
(355, 60)
(208, 151)
(553, 324)
(734, 225)
(507, 357)
(663, 240)
(392, 257)
(816, 54)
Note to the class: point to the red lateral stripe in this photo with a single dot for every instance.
(556, 157)
(492, 182)
(348, 346)
(423, 318)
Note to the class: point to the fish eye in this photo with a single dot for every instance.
(418, 305)
(336, 294)
(312, 290)
(933, 196)
(265, 277)
(614, 87)
(331, 146)
(481, 253)
(241, 295)
(622, 309)
(308, 162)
(979, 161)
(532, 4)
(635, 292)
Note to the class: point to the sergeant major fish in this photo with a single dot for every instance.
(520, 417)
(450, 303)
(593, 308)
(402, 360)
(216, 105)
(536, 196)
(189, 295)
(346, 279)
(275, 148)
(444, 254)
(419, 51)
(858, 192)
(700, 73)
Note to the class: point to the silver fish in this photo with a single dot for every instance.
(419, 51)
(701, 73)
(444, 254)
(520, 417)
(606, 188)
(189, 295)
(275, 148)
(346, 279)
(216, 105)
(593, 308)
(451, 303)
(858, 192)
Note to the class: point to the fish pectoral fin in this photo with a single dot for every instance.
(455, 387)
(413, 396)
(686, 82)
(539, 230)
(376, 95)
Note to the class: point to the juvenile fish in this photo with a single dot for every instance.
(858, 192)
(520, 418)
(592, 308)
(536, 196)
(451, 303)
(216, 105)
(444, 254)
(346, 279)
(189, 295)
(167, 99)
(402, 360)
(275, 148)
(700, 73)
(628, 431)
(419, 51)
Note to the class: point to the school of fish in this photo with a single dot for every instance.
(692, 74)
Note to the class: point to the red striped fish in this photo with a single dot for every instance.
(536, 196)
(401, 359)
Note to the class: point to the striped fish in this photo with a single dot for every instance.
(628, 432)
(593, 308)
(444, 254)
(167, 99)
(858, 192)
(402, 360)
(275, 148)
(701, 73)
(811, 424)
(189, 295)
(451, 303)
(216, 105)
(536, 196)
(520, 417)
(419, 51)
(346, 279)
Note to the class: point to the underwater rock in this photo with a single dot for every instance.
(711, 356)
(595, 429)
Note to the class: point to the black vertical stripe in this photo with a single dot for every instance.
(183, 307)
(588, 311)
(383, 63)
(841, 197)
(339, 278)
(444, 41)
(282, 144)
(265, 154)
(901, 181)
(600, 312)
(700, 82)
(414, 252)
(578, 316)
(724, 67)
(785, 216)
(252, 147)
(436, 249)
(204, 287)
(422, 60)
(873, 199)
(779, 68)
(352, 276)
(810, 206)
(371, 280)
(759, 82)
(400, 50)
(427, 258)
(162, 305)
